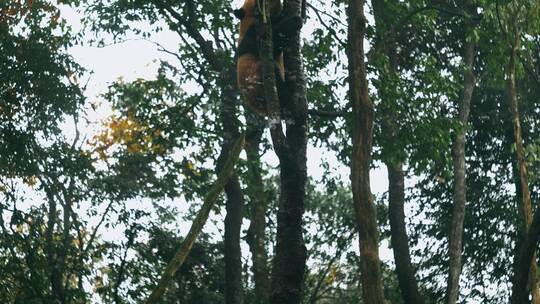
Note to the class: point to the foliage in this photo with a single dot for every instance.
(96, 216)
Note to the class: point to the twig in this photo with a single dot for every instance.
(328, 28)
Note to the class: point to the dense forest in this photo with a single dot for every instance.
(173, 188)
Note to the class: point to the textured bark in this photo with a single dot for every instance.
(526, 205)
(398, 236)
(460, 187)
(290, 252)
(233, 253)
(235, 200)
(256, 235)
(362, 137)
(197, 225)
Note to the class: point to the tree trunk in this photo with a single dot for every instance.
(522, 262)
(235, 199)
(197, 224)
(289, 264)
(526, 206)
(229, 97)
(233, 254)
(256, 235)
(55, 275)
(362, 133)
(460, 187)
(398, 236)
(386, 39)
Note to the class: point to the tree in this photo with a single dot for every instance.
(371, 280)
(458, 156)
(290, 147)
(202, 216)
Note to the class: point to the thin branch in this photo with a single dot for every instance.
(327, 114)
(503, 30)
(121, 271)
(337, 20)
(94, 233)
(206, 47)
(328, 28)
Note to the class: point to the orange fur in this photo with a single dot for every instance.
(250, 82)
(249, 69)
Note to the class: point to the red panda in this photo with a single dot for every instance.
(249, 65)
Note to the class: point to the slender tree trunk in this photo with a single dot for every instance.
(55, 276)
(233, 254)
(526, 205)
(197, 225)
(289, 264)
(235, 199)
(460, 187)
(398, 236)
(362, 133)
(256, 235)
(229, 97)
(522, 261)
(386, 39)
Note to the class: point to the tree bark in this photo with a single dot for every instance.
(460, 187)
(362, 136)
(290, 252)
(526, 205)
(197, 225)
(256, 235)
(235, 200)
(398, 236)
(233, 254)
(525, 252)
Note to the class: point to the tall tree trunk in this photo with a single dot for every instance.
(229, 97)
(235, 199)
(362, 136)
(460, 187)
(398, 236)
(233, 253)
(197, 225)
(256, 235)
(526, 206)
(289, 264)
(386, 39)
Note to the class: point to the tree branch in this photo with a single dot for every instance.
(205, 46)
(328, 114)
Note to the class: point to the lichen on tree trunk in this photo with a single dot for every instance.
(362, 137)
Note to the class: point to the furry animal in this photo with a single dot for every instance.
(249, 65)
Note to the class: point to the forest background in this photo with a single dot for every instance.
(116, 116)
